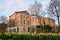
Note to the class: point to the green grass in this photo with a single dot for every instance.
(29, 37)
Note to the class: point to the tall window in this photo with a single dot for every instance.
(28, 29)
(28, 22)
(24, 19)
(23, 16)
(12, 22)
(24, 22)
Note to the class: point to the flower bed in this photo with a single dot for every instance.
(28, 37)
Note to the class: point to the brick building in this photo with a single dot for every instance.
(3, 27)
(22, 21)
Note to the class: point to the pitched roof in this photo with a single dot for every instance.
(25, 12)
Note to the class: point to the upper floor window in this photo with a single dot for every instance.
(24, 17)
(23, 21)
(28, 22)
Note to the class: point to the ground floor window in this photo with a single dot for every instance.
(18, 29)
(12, 29)
(28, 29)
(32, 30)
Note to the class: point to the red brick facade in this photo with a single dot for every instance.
(23, 20)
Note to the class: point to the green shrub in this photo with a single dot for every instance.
(47, 28)
(29, 37)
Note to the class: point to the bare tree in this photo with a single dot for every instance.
(35, 9)
(3, 22)
(3, 19)
(54, 9)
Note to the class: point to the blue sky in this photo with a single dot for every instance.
(8, 7)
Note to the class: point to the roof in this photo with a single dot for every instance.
(35, 15)
(25, 12)
(50, 18)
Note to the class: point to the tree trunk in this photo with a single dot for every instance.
(58, 24)
(58, 21)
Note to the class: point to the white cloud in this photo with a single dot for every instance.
(13, 5)
(21, 3)
(9, 4)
